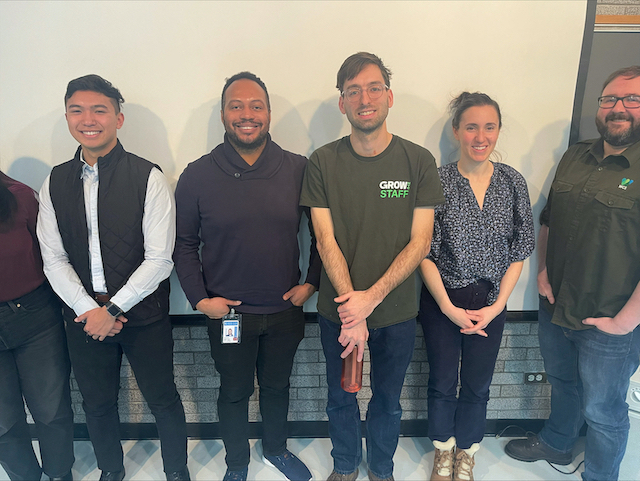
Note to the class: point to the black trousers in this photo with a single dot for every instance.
(96, 366)
(268, 346)
(34, 363)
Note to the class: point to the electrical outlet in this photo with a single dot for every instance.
(535, 377)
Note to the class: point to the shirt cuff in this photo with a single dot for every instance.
(85, 304)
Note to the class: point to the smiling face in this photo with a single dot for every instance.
(620, 126)
(478, 133)
(93, 122)
(246, 115)
(366, 115)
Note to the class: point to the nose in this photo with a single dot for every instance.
(87, 117)
(480, 135)
(618, 106)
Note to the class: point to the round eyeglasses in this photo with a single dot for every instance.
(610, 101)
(354, 94)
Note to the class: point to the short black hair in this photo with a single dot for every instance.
(626, 72)
(95, 83)
(355, 63)
(467, 100)
(248, 76)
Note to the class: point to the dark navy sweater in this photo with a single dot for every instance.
(247, 218)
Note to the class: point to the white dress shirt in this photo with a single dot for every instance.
(158, 230)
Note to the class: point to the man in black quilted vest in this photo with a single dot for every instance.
(107, 230)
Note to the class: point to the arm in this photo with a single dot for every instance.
(338, 272)
(159, 231)
(625, 321)
(187, 255)
(358, 305)
(482, 317)
(301, 293)
(544, 286)
(433, 280)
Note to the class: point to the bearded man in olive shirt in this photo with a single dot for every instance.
(589, 275)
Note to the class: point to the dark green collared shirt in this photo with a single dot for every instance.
(593, 214)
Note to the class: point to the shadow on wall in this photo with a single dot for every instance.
(30, 171)
(144, 134)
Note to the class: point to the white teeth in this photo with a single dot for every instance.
(368, 112)
(90, 133)
(480, 148)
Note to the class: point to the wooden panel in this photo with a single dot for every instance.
(618, 19)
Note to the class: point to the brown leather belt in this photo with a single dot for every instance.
(102, 298)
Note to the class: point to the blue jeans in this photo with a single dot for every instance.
(461, 415)
(589, 372)
(391, 350)
(267, 346)
(34, 364)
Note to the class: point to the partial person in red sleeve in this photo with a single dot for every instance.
(34, 363)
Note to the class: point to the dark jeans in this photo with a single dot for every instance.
(34, 363)
(268, 346)
(461, 415)
(391, 350)
(96, 366)
(589, 372)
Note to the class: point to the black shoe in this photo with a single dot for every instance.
(182, 475)
(532, 449)
(112, 475)
(64, 477)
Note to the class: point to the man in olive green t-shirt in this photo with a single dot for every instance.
(371, 196)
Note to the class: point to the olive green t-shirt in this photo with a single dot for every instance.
(371, 201)
(593, 250)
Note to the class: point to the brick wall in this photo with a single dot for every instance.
(197, 380)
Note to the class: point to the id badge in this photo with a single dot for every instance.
(231, 328)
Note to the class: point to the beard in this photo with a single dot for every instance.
(243, 146)
(620, 138)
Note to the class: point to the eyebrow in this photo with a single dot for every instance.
(98, 106)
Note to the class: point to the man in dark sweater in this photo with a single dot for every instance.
(107, 229)
(241, 202)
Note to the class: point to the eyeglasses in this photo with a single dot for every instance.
(610, 101)
(354, 94)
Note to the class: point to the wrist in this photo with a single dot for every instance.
(113, 310)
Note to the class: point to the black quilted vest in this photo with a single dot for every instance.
(121, 195)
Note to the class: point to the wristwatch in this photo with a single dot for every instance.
(112, 309)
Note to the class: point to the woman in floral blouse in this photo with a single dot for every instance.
(482, 234)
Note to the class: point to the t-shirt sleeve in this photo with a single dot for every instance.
(429, 188)
(313, 192)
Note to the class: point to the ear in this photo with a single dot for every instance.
(341, 104)
(222, 116)
(455, 133)
(120, 120)
(390, 98)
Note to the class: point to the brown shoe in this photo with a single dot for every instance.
(463, 464)
(442, 465)
(373, 477)
(343, 477)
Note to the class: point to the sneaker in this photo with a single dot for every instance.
(533, 449)
(373, 477)
(289, 465)
(463, 464)
(442, 465)
(343, 477)
(236, 475)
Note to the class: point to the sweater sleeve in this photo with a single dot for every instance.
(186, 255)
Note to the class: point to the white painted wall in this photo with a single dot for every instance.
(170, 60)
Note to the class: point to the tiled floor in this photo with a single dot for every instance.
(413, 461)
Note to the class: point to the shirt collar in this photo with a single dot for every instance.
(629, 157)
